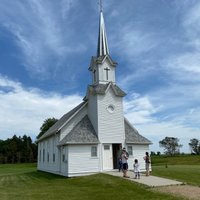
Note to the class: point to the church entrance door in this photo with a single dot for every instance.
(107, 157)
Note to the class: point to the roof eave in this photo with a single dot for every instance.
(78, 143)
(47, 136)
(130, 142)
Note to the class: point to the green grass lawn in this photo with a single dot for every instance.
(186, 173)
(176, 160)
(23, 182)
(185, 168)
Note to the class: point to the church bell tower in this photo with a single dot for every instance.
(105, 98)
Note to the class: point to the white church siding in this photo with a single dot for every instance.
(64, 160)
(57, 152)
(80, 160)
(111, 124)
(139, 151)
(103, 74)
(49, 158)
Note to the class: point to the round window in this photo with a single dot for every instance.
(111, 108)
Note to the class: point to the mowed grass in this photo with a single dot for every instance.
(176, 160)
(23, 182)
(185, 168)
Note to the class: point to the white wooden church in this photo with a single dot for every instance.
(89, 138)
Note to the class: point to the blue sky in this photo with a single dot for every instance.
(46, 47)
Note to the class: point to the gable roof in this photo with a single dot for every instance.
(62, 121)
(103, 88)
(82, 133)
(133, 136)
(100, 60)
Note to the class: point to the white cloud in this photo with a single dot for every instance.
(191, 23)
(66, 6)
(41, 33)
(139, 109)
(144, 113)
(159, 130)
(23, 110)
(165, 113)
(184, 67)
(184, 64)
(134, 42)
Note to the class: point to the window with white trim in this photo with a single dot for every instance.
(130, 150)
(94, 151)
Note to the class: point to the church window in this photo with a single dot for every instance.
(94, 151)
(40, 156)
(106, 147)
(130, 150)
(63, 157)
(110, 108)
(48, 157)
(53, 157)
(43, 155)
(107, 69)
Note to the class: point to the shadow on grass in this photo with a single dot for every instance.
(44, 175)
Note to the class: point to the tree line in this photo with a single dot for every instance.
(172, 147)
(18, 150)
(22, 149)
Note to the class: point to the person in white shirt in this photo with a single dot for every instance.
(136, 168)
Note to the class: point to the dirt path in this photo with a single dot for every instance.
(188, 191)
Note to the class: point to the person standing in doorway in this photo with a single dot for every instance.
(147, 163)
(124, 158)
(120, 164)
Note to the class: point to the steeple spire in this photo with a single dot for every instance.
(102, 47)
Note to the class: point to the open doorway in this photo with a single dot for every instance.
(116, 154)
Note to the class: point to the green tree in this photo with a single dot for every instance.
(195, 146)
(17, 150)
(171, 145)
(46, 125)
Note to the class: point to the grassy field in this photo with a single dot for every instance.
(174, 160)
(185, 168)
(23, 182)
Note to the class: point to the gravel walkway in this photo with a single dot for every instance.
(188, 191)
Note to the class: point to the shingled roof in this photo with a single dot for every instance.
(82, 133)
(100, 60)
(102, 88)
(56, 127)
(132, 135)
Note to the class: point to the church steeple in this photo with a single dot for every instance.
(102, 47)
(102, 66)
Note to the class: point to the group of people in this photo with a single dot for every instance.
(123, 164)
